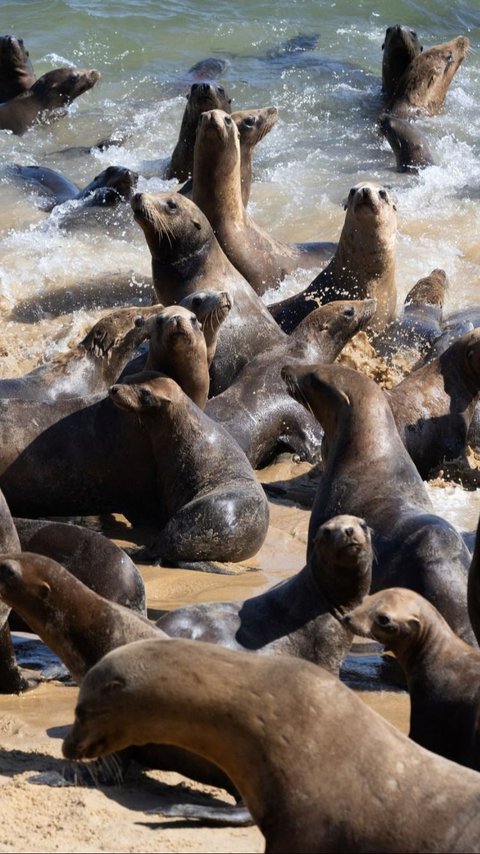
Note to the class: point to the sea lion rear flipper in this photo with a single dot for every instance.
(225, 814)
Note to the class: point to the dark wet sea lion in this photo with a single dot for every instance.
(363, 265)
(301, 615)
(423, 86)
(290, 735)
(47, 98)
(209, 68)
(368, 471)
(202, 96)
(258, 410)
(186, 257)
(94, 364)
(217, 191)
(400, 46)
(16, 70)
(48, 182)
(442, 671)
(434, 405)
(409, 145)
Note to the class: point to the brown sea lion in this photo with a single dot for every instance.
(217, 191)
(257, 409)
(186, 257)
(409, 145)
(400, 46)
(211, 309)
(202, 96)
(16, 70)
(301, 616)
(424, 84)
(94, 364)
(442, 671)
(363, 265)
(297, 743)
(434, 405)
(47, 98)
(368, 471)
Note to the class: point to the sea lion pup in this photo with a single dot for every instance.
(225, 516)
(409, 145)
(186, 257)
(289, 734)
(368, 471)
(257, 409)
(363, 265)
(400, 46)
(434, 405)
(423, 86)
(442, 671)
(16, 70)
(47, 98)
(211, 309)
(420, 324)
(217, 191)
(301, 616)
(202, 96)
(92, 365)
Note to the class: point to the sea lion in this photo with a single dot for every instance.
(473, 590)
(434, 405)
(186, 257)
(301, 615)
(16, 70)
(211, 309)
(90, 367)
(442, 671)
(146, 451)
(423, 86)
(47, 98)
(11, 679)
(409, 145)
(400, 46)
(209, 68)
(56, 189)
(257, 409)
(290, 735)
(368, 471)
(363, 265)
(202, 96)
(420, 324)
(217, 191)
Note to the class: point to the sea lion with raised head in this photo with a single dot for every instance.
(186, 257)
(363, 265)
(400, 46)
(297, 743)
(16, 70)
(409, 145)
(442, 671)
(211, 309)
(368, 471)
(47, 99)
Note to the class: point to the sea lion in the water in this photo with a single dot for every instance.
(258, 410)
(202, 96)
(368, 471)
(47, 98)
(363, 265)
(60, 189)
(423, 86)
(186, 257)
(16, 70)
(409, 145)
(217, 191)
(297, 743)
(400, 46)
(301, 616)
(442, 671)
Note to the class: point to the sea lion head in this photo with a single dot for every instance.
(25, 578)
(119, 178)
(393, 617)
(175, 328)
(175, 228)
(466, 351)
(217, 130)
(62, 85)
(116, 326)
(151, 395)
(210, 307)
(253, 125)
(424, 84)
(13, 54)
(400, 46)
(342, 539)
(207, 96)
(368, 200)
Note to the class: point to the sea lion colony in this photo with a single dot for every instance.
(208, 507)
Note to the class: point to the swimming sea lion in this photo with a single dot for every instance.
(409, 145)
(423, 86)
(400, 46)
(217, 191)
(290, 735)
(16, 70)
(301, 615)
(442, 671)
(368, 471)
(363, 265)
(47, 98)
(186, 257)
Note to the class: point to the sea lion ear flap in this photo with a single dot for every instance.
(197, 224)
(414, 622)
(113, 685)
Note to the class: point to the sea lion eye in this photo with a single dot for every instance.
(221, 90)
(383, 620)
(228, 120)
(172, 205)
(383, 194)
(349, 312)
(249, 122)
